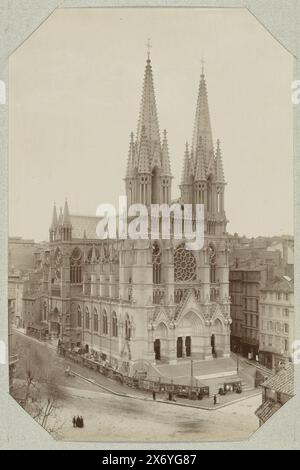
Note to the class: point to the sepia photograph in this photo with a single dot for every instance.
(151, 225)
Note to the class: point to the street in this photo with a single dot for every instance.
(109, 417)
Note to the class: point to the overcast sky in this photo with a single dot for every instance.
(75, 90)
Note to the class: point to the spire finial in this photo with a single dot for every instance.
(148, 48)
(202, 66)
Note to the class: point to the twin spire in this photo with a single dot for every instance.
(202, 161)
(62, 220)
(147, 152)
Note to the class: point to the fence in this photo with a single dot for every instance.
(140, 381)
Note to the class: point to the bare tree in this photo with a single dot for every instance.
(40, 393)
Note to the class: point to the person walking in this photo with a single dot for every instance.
(74, 422)
(154, 395)
(81, 421)
(215, 399)
(78, 422)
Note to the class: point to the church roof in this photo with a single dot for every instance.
(84, 226)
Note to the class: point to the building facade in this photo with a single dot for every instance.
(276, 391)
(136, 301)
(245, 285)
(276, 322)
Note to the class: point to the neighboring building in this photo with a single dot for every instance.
(21, 254)
(15, 297)
(33, 314)
(276, 391)
(274, 253)
(244, 289)
(276, 322)
(132, 301)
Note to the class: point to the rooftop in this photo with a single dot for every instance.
(283, 381)
(284, 284)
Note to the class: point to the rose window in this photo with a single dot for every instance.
(185, 265)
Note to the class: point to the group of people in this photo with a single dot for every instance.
(77, 422)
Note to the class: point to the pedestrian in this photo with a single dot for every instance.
(154, 395)
(81, 421)
(215, 399)
(74, 422)
(78, 422)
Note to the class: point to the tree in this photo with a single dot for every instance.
(37, 386)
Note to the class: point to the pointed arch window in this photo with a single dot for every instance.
(76, 266)
(105, 324)
(79, 315)
(212, 264)
(95, 320)
(45, 311)
(87, 318)
(114, 325)
(156, 262)
(127, 327)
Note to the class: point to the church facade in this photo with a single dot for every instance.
(133, 302)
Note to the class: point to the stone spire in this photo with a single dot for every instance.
(202, 127)
(166, 166)
(131, 157)
(148, 114)
(60, 218)
(200, 174)
(186, 170)
(219, 165)
(66, 216)
(54, 218)
(143, 153)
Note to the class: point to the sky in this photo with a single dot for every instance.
(75, 87)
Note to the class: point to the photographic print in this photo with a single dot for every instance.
(151, 247)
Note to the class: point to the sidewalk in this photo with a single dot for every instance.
(111, 386)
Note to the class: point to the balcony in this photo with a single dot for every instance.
(158, 295)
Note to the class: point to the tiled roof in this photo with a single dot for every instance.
(283, 381)
(280, 285)
(84, 226)
(266, 410)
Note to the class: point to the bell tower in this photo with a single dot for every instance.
(148, 174)
(203, 176)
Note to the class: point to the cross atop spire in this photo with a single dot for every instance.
(202, 66)
(148, 45)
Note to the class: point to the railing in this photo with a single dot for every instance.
(140, 381)
(158, 295)
(214, 292)
(55, 291)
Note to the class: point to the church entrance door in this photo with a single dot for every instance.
(213, 344)
(157, 349)
(188, 346)
(179, 347)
